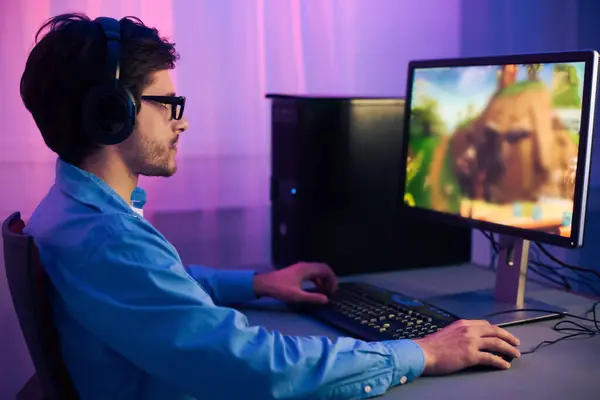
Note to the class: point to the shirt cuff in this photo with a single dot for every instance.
(409, 360)
(229, 286)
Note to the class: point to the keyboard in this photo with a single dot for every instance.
(373, 313)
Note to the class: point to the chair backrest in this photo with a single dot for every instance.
(29, 287)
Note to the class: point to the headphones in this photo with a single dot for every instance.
(109, 109)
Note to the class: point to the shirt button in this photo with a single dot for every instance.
(367, 389)
(403, 380)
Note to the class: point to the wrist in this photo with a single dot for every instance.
(428, 361)
(259, 284)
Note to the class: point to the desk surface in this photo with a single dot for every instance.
(569, 369)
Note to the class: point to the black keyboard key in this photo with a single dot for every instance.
(373, 313)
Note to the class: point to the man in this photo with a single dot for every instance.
(134, 323)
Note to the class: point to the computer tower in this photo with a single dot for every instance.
(334, 189)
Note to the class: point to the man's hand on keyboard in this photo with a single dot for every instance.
(286, 284)
(467, 343)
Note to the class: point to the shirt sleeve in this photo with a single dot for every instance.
(134, 294)
(226, 287)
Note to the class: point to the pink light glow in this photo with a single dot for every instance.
(233, 53)
(298, 45)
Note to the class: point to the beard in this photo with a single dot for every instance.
(151, 158)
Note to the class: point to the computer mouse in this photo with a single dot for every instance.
(485, 367)
(505, 357)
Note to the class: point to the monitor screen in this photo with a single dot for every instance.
(501, 143)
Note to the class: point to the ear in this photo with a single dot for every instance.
(543, 132)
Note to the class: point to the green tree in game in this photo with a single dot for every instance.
(426, 120)
(533, 72)
(565, 87)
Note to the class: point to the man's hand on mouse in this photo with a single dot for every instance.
(467, 343)
(463, 344)
(286, 284)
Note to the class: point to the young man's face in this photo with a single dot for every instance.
(151, 148)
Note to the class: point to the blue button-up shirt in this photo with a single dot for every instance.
(134, 323)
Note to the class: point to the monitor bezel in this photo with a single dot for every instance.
(590, 57)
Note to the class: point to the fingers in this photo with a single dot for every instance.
(496, 331)
(331, 284)
(493, 360)
(322, 275)
(318, 270)
(322, 285)
(470, 322)
(302, 296)
(488, 330)
(318, 282)
(498, 345)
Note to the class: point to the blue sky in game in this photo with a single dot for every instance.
(456, 89)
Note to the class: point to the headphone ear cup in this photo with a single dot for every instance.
(109, 114)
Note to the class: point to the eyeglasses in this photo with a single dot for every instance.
(177, 104)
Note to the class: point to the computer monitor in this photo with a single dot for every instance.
(502, 144)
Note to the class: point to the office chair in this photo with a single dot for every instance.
(28, 285)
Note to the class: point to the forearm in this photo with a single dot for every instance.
(220, 356)
(159, 318)
(225, 287)
(345, 368)
(207, 351)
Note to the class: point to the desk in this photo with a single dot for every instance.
(566, 370)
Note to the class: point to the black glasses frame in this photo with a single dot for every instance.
(176, 102)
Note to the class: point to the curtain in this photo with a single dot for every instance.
(233, 52)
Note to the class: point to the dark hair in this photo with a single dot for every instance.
(69, 60)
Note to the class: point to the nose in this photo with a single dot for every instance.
(182, 125)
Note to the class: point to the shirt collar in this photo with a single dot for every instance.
(88, 188)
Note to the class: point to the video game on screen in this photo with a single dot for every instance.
(496, 143)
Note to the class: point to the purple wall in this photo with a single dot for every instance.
(511, 26)
(496, 27)
(233, 52)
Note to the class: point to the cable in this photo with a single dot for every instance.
(581, 279)
(549, 269)
(564, 282)
(583, 331)
(564, 264)
(533, 263)
(565, 314)
(575, 328)
(579, 271)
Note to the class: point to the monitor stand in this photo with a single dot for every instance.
(506, 304)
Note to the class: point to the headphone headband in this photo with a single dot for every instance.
(111, 28)
(109, 109)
